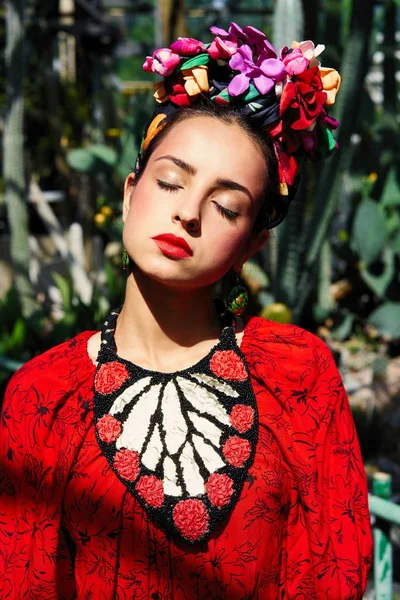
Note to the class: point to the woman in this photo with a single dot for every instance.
(184, 452)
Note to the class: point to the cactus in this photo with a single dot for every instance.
(13, 165)
(288, 22)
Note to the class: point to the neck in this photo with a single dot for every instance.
(162, 319)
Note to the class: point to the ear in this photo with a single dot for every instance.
(254, 243)
(128, 189)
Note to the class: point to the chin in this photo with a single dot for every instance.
(175, 273)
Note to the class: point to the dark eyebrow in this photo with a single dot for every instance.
(227, 184)
(179, 163)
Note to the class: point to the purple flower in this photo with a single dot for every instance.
(264, 72)
(249, 35)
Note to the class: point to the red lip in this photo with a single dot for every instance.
(172, 245)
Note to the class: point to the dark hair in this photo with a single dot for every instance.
(230, 116)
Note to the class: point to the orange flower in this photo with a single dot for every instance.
(160, 94)
(196, 80)
(331, 83)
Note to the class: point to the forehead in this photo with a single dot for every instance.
(214, 148)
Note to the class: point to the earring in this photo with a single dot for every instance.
(125, 259)
(238, 298)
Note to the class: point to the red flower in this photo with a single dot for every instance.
(110, 377)
(108, 428)
(236, 450)
(242, 417)
(219, 489)
(151, 489)
(186, 46)
(303, 99)
(177, 92)
(126, 462)
(191, 518)
(227, 364)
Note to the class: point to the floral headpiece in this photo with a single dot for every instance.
(286, 94)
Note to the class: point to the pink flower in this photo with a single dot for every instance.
(151, 489)
(236, 450)
(191, 518)
(219, 489)
(242, 417)
(227, 364)
(294, 60)
(108, 428)
(219, 48)
(110, 377)
(162, 61)
(186, 46)
(310, 51)
(126, 462)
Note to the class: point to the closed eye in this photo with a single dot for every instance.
(226, 213)
(168, 186)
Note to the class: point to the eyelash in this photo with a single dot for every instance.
(225, 212)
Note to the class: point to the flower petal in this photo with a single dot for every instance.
(263, 84)
(238, 85)
(218, 31)
(273, 67)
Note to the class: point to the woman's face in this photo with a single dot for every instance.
(203, 185)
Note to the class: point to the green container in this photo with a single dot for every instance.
(382, 484)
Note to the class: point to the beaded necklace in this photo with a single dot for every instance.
(181, 442)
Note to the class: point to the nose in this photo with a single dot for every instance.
(188, 217)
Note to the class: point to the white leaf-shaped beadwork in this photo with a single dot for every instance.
(152, 455)
(191, 473)
(128, 395)
(221, 386)
(175, 426)
(208, 429)
(203, 400)
(211, 459)
(170, 478)
(136, 427)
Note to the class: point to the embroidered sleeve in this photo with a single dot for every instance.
(333, 502)
(41, 423)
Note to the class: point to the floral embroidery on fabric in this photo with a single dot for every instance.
(219, 489)
(242, 417)
(108, 428)
(191, 518)
(237, 450)
(126, 462)
(151, 489)
(172, 434)
(227, 364)
(110, 377)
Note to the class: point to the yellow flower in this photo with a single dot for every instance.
(106, 211)
(372, 177)
(160, 94)
(196, 80)
(331, 83)
(99, 219)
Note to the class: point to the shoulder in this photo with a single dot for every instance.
(289, 353)
(291, 338)
(56, 372)
(59, 360)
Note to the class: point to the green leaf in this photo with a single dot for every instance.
(251, 93)
(369, 232)
(104, 153)
(65, 289)
(386, 319)
(81, 159)
(391, 191)
(327, 141)
(196, 61)
(342, 325)
(380, 283)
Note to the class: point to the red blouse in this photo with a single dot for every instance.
(300, 530)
